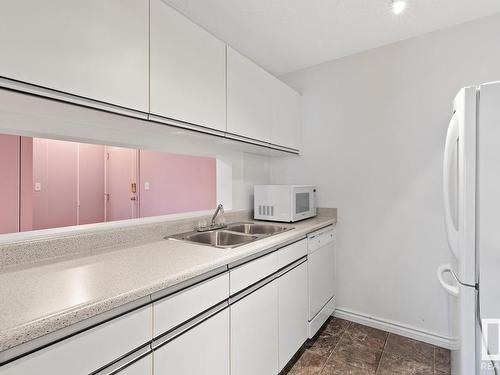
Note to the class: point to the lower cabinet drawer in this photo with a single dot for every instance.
(253, 271)
(292, 252)
(173, 310)
(203, 349)
(90, 350)
(144, 366)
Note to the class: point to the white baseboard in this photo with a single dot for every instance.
(397, 328)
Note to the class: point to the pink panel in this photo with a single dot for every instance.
(120, 174)
(177, 183)
(55, 169)
(91, 183)
(26, 183)
(40, 198)
(9, 183)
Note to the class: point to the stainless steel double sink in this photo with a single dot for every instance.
(233, 235)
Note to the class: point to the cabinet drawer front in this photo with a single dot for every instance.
(89, 350)
(144, 366)
(291, 253)
(201, 350)
(177, 308)
(251, 272)
(254, 333)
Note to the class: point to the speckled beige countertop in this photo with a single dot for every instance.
(41, 298)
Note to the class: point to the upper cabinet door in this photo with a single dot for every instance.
(97, 49)
(259, 105)
(188, 70)
(250, 91)
(285, 130)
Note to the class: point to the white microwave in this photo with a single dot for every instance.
(287, 203)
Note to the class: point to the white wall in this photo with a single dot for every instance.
(373, 134)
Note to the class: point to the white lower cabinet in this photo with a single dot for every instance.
(254, 332)
(203, 349)
(292, 289)
(257, 334)
(90, 350)
(144, 366)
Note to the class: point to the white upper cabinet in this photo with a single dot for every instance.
(249, 98)
(260, 106)
(188, 70)
(97, 49)
(285, 130)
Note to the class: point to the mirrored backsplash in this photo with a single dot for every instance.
(50, 183)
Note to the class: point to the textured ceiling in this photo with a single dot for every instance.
(288, 35)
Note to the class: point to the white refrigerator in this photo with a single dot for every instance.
(471, 187)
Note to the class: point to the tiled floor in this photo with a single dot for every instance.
(345, 348)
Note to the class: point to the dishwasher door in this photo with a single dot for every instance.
(321, 269)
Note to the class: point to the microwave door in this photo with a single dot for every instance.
(302, 203)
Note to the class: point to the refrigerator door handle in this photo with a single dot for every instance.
(451, 289)
(451, 141)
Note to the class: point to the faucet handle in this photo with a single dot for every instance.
(202, 224)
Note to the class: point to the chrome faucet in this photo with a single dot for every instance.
(213, 224)
(220, 208)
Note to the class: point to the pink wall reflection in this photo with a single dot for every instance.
(171, 183)
(90, 183)
(51, 183)
(9, 183)
(26, 204)
(121, 173)
(55, 178)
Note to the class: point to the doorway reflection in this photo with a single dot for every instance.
(50, 183)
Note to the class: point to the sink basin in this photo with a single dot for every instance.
(219, 238)
(255, 228)
(234, 235)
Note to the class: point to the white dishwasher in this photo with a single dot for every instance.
(321, 277)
